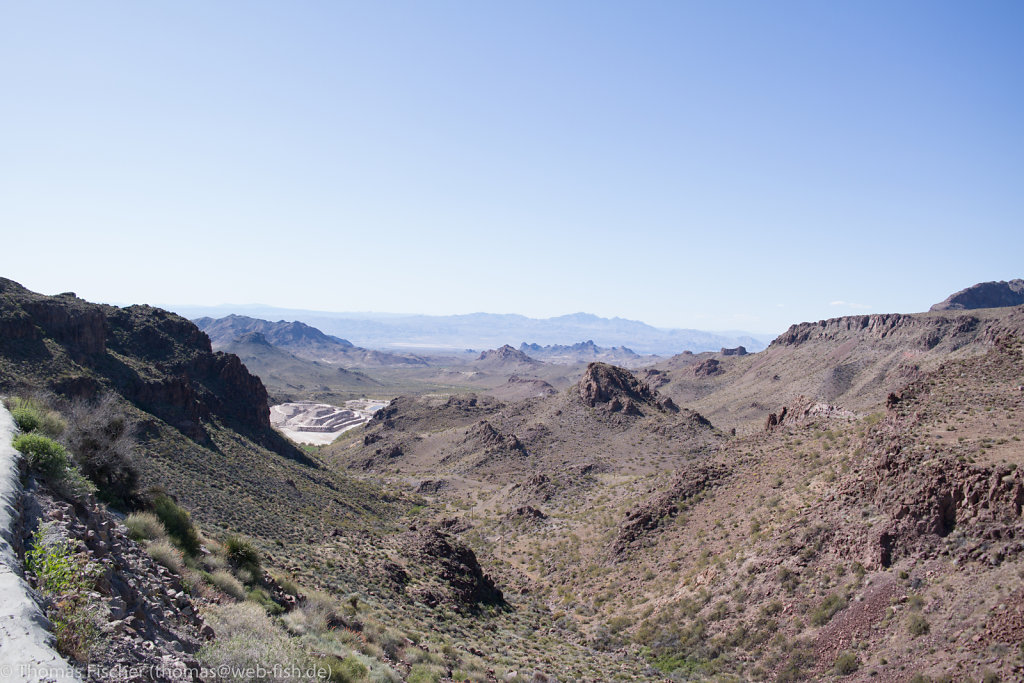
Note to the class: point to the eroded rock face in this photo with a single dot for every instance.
(484, 435)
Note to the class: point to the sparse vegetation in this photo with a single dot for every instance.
(66, 579)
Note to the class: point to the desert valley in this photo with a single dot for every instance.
(221, 496)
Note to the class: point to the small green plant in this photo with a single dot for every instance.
(178, 523)
(846, 664)
(242, 555)
(144, 526)
(226, 582)
(347, 670)
(824, 613)
(166, 554)
(917, 625)
(31, 416)
(26, 417)
(66, 578)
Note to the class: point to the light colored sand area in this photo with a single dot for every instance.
(321, 423)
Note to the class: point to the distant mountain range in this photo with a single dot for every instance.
(299, 339)
(491, 330)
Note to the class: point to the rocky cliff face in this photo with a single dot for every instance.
(984, 295)
(157, 360)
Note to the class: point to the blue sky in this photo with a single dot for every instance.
(717, 165)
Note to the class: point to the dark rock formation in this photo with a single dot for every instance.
(604, 384)
(984, 295)
(506, 355)
(456, 565)
(155, 359)
(708, 368)
(738, 351)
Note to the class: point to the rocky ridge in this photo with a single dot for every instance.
(984, 295)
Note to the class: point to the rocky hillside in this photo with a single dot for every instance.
(984, 295)
(855, 361)
(289, 377)
(158, 361)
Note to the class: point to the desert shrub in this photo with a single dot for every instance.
(425, 673)
(34, 415)
(917, 625)
(314, 615)
(846, 664)
(166, 554)
(102, 438)
(226, 582)
(248, 639)
(43, 453)
(347, 670)
(262, 598)
(242, 554)
(26, 417)
(178, 523)
(824, 612)
(144, 526)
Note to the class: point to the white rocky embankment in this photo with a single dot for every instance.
(26, 643)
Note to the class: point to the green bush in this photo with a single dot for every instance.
(846, 664)
(917, 625)
(425, 673)
(43, 453)
(225, 581)
(262, 598)
(26, 418)
(824, 613)
(347, 670)
(242, 554)
(178, 523)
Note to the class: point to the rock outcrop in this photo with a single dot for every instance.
(506, 355)
(618, 391)
(462, 582)
(984, 295)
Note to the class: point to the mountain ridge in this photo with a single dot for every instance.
(492, 330)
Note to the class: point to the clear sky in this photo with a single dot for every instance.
(717, 165)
